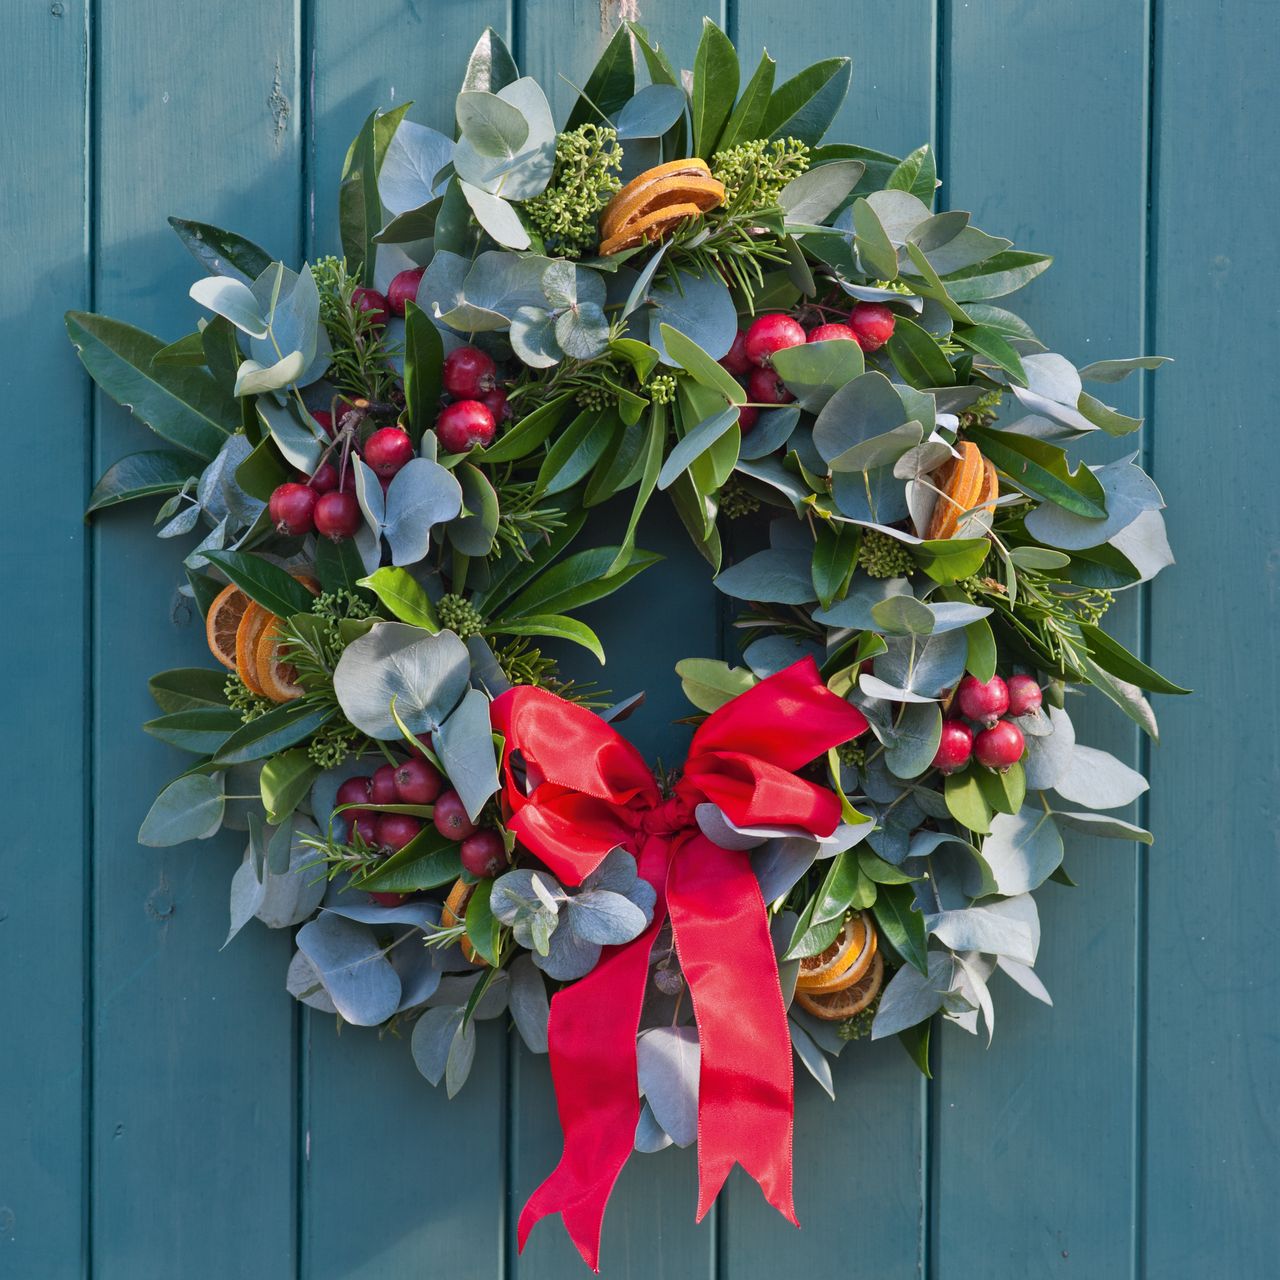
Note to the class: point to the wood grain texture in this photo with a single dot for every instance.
(193, 1133)
(1212, 1065)
(1030, 105)
(420, 1175)
(43, 685)
(1129, 1132)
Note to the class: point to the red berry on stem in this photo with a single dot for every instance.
(766, 387)
(451, 819)
(872, 324)
(748, 415)
(772, 333)
(463, 425)
(985, 703)
(382, 786)
(468, 373)
(364, 823)
(372, 303)
(418, 782)
(833, 333)
(325, 479)
(496, 402)
(1024, 695)
(337, 515)
(292, 508)
(389, 899)
(736, 359)
(483, 854)
(387, 450)
(355, 791)
(395, 830)
(955, 746)
(403, 288)
(999, 747)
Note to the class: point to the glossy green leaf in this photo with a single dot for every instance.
(715, 87)
(140, 475)
(525, 436)
(917, 356)
(1113, 657)
(745, 121)
(426, 862)
(1042, 469)
(992, 344)
(700, 366)
(1003, 791)
(278, 729)
(575, 581)
(423, 369)
(611, 83)
(187, 688)
(804, 106)
(221, 252)
(917, 174)
(980, 662)
(285, 781)
(948, 560)
(997, 276)
(268, 584)
(403, 596)
(555, 626)
(965, 801)
(201, 730)
(901, 924)
(875, 249)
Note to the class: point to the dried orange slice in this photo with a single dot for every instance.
(990, 486)
(279, 679)
(454, 912)
(960, 483)
(221, 621)
(652, 226)
(255, 621)
(634, 198)
(837, 1006)
(844, 961)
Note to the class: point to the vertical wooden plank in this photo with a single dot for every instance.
(1056, 95)
(1212, 1074)
(420, 1175)
(860, 1173)
(43, 685)
(193, 1099)
(671, 612)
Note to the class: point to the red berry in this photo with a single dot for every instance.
(769, 334)
(382, 786)
(985, 703)
(451, 819)
(483, 854)
(355, 791)
(403, 288)
(395, 830)
(468, 373)
(1024, 695)
(387, 450)
(766, 387)
(364, 823)
(292, 508)
(372, 303)
(999, 747)
(872, 324)
(736, 359)
(747, 416)
(389, 899)
(418, 782)
(833, 333)
(325, 479)
(955, 746)
(463, 425)
(325, 419)
(337, 515)
(496, 402)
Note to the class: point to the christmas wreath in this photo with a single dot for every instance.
(390, 454)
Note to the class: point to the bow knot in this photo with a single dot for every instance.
(586, 792)
(668, 818)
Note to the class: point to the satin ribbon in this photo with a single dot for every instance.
(587, 791)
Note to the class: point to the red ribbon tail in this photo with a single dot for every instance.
(745, 1091)
(592, 1043)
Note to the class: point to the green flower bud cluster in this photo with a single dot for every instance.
(588, 160)
(331, 744)
(341, 604)
(661, 388)
(736, 501)
(755, 172)
(885, 557)
(459, 615)
(594, 395)
(243, 699)
(853, 755)
(859, 1026)
(894, 286)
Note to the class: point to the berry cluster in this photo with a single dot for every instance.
(999, 743)
(416, 781)
(325, 502)
(750, 358)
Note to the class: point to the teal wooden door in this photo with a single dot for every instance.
(166, 1109)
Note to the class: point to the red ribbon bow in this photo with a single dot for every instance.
(588, 792)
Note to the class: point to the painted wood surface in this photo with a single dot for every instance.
(166, 1110)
